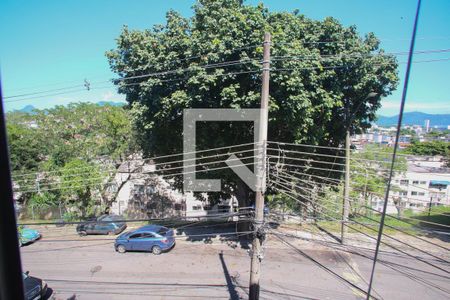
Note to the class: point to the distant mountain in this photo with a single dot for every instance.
(416, 118)
(27, 109)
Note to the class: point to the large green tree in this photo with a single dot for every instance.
(321, 75)
(61, 154)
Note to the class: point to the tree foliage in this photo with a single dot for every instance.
(58, 154)
(26, 146)
(429, 148)
(316, 86)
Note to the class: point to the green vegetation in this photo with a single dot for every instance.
(438, 133)
(369, 174)
(308, 103)
(405, 131)
(62, 156)
(411, 224)
(429, 148)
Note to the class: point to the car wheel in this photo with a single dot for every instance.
(121, 249)
(82, 233)
(156, 250)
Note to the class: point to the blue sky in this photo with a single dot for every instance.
(47, 45)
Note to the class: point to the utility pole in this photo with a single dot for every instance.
(258, 237)
(346, 204)
(429, 206)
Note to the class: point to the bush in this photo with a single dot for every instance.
(70, 216)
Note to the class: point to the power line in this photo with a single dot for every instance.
(206, 66)
(161, 176)
(172, 219)
(395, 239)
(395, 228)
(154, 74)
(361, 224)
(305, 145)
(409, 234)
(155, 171)
(152, 165)
(168, 155)
(309, 167)
(356, 55)
(42, 92)
(307, 160)
(216, 65)
(307, 153)
(389, 264)
(244, 47)
(238, 233)
(54, 94)
(334, 183)
(322, 266)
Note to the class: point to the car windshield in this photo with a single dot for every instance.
(109, 218)
(103, 218)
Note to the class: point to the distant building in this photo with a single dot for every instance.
(427, 126)
(138, 192)
(426, 182)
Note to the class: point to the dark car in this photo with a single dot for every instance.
(35, 288)
(105, 224)
(152, 238)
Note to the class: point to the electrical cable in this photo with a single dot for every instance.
(369, 236)
(393, 238)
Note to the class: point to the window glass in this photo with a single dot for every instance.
(147, 235)
(163, 231)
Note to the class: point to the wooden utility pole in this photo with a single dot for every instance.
(346, 204)
(260, 170)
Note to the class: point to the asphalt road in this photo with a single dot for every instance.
(218, 268)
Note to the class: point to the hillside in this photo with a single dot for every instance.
(416, 118)
(29, 108)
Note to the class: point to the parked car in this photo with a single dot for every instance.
(35, 288)
(105, 224)
(153, 238)
(27, 235)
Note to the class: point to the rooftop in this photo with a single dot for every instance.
(425, 169)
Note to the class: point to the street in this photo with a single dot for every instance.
(88, 268)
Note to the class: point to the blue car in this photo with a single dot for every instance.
(153, 238)
(27, 235)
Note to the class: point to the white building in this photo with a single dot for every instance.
(427, 126)
(426, 182)
(137, 191)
